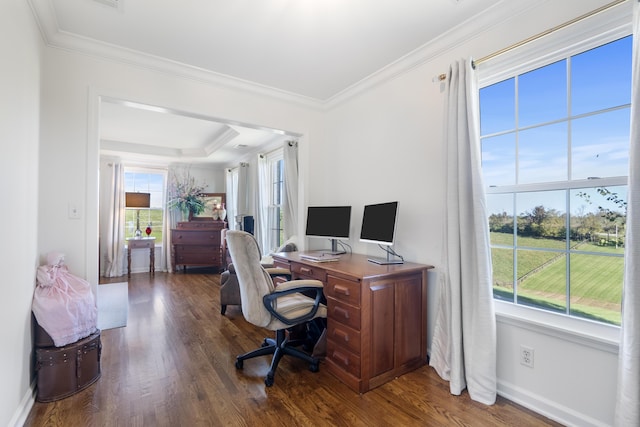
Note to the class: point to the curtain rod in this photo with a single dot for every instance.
(540, 35)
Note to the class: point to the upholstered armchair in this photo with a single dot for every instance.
(278, 308)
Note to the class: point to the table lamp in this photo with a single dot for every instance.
(137, 200)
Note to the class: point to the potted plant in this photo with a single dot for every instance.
(186, 195)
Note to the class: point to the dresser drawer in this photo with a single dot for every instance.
(343, 358)
(344, 313)
(195, 237)
(191, 255)
(343, 290)
(309, 272)
(343, 336)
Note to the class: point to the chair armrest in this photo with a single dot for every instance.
(278, 271)
(298, 284)
(294, 287)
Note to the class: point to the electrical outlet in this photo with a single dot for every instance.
(526, 356)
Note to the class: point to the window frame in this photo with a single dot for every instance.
(275, 165)
(579, 37)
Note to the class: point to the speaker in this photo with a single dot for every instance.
(247, 224)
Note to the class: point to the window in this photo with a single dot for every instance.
(276, 187)
(145, 181)
(555, 149)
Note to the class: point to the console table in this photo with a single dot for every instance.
(376, 316)
(197, 243)
(142, 243)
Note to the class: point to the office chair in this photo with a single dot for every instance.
(274, 308)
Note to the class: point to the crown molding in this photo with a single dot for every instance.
(53, 37)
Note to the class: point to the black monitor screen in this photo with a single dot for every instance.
(379, 223)
(328, 221)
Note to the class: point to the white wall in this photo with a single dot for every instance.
(387, 144)
(19, 118)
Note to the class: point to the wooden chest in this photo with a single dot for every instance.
(197, 243)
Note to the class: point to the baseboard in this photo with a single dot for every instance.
(543, 406)
(22, 411)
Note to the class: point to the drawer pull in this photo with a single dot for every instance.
(341, 334)
(305, 270)
(344, 313)
(341, 290)
(341, 358)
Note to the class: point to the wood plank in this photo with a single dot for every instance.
(174, 365)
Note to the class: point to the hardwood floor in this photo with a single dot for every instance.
(173, 365)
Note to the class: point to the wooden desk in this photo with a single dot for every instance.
(142, 243)
(376, 316)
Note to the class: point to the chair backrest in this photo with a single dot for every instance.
(253, 280)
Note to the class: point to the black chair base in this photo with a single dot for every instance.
(279, 347)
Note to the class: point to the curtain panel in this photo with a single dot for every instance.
(463, 349)
(628, 392)
(113, 232)
(290, 194)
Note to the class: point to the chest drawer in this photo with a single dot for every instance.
(195, 237)
(347, 291)
(344, 313)
(309, 272)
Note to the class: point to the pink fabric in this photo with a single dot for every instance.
(63, 304)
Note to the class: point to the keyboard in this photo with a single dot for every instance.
(320, 257)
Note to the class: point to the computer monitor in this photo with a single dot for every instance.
(329, 222)
(379, 226)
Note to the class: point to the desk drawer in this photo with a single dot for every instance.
(343, 358)
(343, 336)
(344, 313)
(308, 272)
(281, 263)
(343, 290)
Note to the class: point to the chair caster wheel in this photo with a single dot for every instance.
(314, 367)
(265, 343)
(268, 381)
(239, 364)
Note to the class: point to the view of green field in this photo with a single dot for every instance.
(147, 216)
(596, 290)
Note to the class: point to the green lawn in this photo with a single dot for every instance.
(147, 216)
(596, 290)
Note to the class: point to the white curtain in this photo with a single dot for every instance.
(243, 189)
(171, 217)
(628, 395)
(113, 222)
(290, 196)
(261, 231)
(231, 186)
(463, 350)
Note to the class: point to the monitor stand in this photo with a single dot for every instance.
(334, 248)
(387, 261)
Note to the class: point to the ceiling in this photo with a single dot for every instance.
(311, 50)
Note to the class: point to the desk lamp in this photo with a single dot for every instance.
(137, 200)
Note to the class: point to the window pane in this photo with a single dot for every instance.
(542, 154)
(542, 94)
(601, 77)
(502, 260)
(499, 160)
(500, 207)
(600, 145)
(542, 219)
(596, 287)
(497, 107)
(542, 279)
(598, 219)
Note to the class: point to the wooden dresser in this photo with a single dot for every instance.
(376, 316)
(197, 243)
